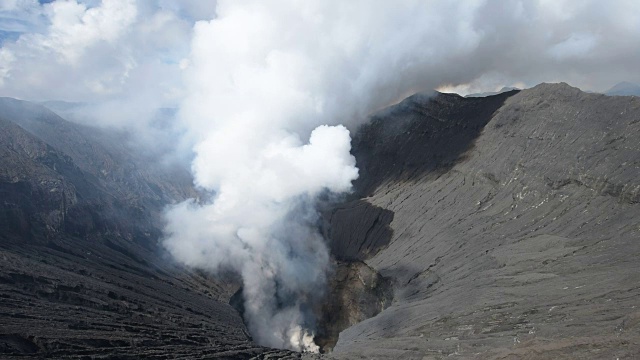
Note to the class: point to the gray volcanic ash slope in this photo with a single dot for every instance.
(508, 225)
(502, 227)
(81, 273)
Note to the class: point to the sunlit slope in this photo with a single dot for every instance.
(522, 243)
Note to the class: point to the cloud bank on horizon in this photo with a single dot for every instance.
(263, 90)
(99, 51)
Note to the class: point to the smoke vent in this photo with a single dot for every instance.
(355, 292)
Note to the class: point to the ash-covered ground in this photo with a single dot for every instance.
(514, 230)
(500, 227)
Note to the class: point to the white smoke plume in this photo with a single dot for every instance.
(261, 223)
(263, 87)
(267, 84)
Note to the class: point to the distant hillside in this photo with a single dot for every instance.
(624, 89)
(490, 93)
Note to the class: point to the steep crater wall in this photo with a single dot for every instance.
(514, 227)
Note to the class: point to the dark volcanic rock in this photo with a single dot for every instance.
(358, 230)
(356, 293)
(81, 271)
(422, 134)
(515, 228)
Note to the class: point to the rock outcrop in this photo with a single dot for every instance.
(355, 293)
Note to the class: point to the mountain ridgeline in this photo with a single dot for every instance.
(514, 230)
(497, 227)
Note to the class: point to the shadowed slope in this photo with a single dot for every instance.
(81, 274)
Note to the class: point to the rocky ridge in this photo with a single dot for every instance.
(514, 230)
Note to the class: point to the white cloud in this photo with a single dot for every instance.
(75, 28)
(576, 46)
(122, 52)
(20, 16)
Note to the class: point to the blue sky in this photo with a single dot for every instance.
(18, 18)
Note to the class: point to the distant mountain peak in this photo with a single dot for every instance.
(491, 93)
(624, 88)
